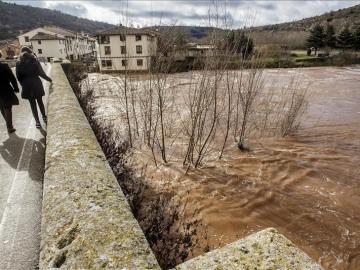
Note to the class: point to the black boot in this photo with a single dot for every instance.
(11, 130)
(8, 117)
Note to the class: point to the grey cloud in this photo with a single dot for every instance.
(190, 12)
(71, 8)
(267, 6)
(194, 3)
(172, 15)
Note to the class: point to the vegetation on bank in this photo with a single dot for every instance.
(157, 212)
(237, 47)
(326, 38)
(296, 60)
(292, 59)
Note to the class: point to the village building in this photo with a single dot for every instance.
(193, 50)
(10, 48)
(126, 49)
(49, 46)
(55, 42)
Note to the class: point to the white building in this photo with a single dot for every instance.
(49, 46)
(125, 48)
(51, 41)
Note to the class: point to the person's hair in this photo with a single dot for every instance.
(0, 54)
(26, 49)
(24, 56)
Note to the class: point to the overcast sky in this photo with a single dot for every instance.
(239, 12)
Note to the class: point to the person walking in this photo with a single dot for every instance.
(28, 72)
(8, 98)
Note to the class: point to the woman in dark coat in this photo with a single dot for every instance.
(28, 72)
(8, 87)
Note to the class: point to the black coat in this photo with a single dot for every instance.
(28, 70)
(8, 86)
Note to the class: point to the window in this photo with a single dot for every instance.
(106, 63)
(138, 49)
(123, 49)
(139, 62)
(40, 51)
(27, 39)
(107, 50)
(137, 37)
(39, 41)
(124, 63)
(122, 38)
(104, 40)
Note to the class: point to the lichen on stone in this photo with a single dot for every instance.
(266, 249)
(86, 220)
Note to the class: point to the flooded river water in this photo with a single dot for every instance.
(306, 186)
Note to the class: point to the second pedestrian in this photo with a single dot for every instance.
(28, 72)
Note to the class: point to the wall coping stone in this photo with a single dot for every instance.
(264, 250)
(86, 220)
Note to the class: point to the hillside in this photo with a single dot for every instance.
(190, 33)
(14, 18)
(339, 19)
(292, 34)
(19, 17)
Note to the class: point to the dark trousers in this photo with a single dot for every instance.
(34, 110)
(7, 114)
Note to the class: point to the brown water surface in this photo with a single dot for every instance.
(307, 186)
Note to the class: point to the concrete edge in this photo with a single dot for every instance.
(266, 249)
(86, 220)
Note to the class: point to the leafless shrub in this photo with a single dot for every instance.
(249, 89)
(295, 101)
(157, 212)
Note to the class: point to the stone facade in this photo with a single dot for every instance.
(126, 49)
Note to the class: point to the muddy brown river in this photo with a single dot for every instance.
(307, 186)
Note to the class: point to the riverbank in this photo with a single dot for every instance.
(295, 59)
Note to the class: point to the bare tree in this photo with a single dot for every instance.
(294, 105)
(248, 91)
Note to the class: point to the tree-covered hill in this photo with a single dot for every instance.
(14, 18)
(296, 31)
(339, 18)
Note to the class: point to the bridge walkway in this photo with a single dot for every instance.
(21, 180)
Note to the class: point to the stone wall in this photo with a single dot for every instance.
(86, 220)
(266, 249)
